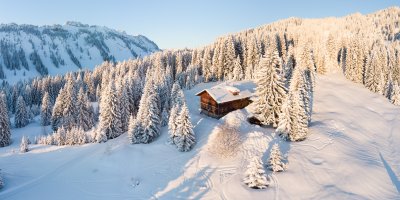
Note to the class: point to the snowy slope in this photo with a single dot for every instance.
(60, 49)
(352, 152)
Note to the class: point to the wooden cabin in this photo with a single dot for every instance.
(220, 100)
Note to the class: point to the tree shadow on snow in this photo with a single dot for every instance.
(193, 186)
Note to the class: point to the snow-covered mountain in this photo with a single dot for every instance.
(27, 51)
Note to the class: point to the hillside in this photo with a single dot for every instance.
(351, 153)
(27, 51)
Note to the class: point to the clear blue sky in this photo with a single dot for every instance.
(179, 23)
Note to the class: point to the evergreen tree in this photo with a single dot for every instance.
(177, 96)
(255, 175)
(270, 90)
(21, 115)
(381, 85)
(131, 96)
(207, 65)
(354, 66)
(395, 96)
(101, 136)
(135, 131)
(305, 86)
(229, 57)
(1, 176)
(60, 136)
(152, 129)
(110, 117)
(124, 105)
(57, 114)
(69, 119)
(24, 146)
(5, 132)
(389, 88)
(85, 112)
(237, 70)
(172, 123)
(46, 110)
(374, 67)
(137, 126)
(184, 137)
(253, 57)
(288, 67)
(275, 163)
(293, 120)
(164, 117)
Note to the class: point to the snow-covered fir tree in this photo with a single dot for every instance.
(85, 113)
(238, 73)
(146, 126)
(275, 163)
(395, 96)
(21, 115)
(381, 85)
(229, 57)
(64, 110)
(24, 146)
(286, 118)
(153, 123)
(76, 136)
(306, 87)
(207, 65)
(110, 123)
(388, 88)
(5, 132)
(57, 113)
(184, 136)
(46, 110)
(133, 129)
(373, 72)
(293, 119)
(288, 67)
(69, 112)
(172, 123)
(270, 90)
(124, 106)
(164, 117)
(1, 180)
(60, 136)
(354, 66)
(255, 175)
(177, 96)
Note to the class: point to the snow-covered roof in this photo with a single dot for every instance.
(225, 93)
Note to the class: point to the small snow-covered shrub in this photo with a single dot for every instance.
(235, 119)
(226, 141)
(255, 175)
(24, 146)
(44, 140)
(100, 136)
(75, 136)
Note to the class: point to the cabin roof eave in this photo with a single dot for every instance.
(223, 99)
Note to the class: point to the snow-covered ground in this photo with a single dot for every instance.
(352, 152)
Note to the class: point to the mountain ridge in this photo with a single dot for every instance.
(27, 51)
